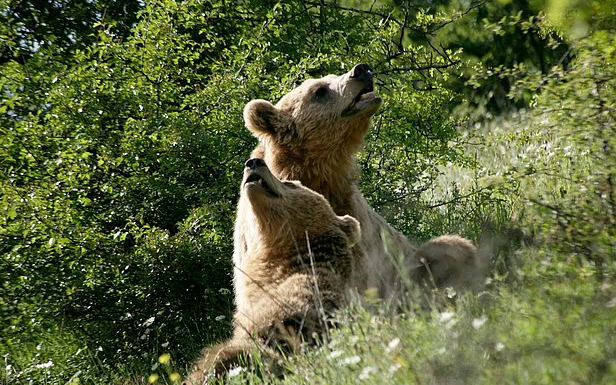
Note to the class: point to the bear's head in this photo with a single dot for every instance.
(319, 117)
(287, 211)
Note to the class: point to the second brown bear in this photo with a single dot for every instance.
(295, 262)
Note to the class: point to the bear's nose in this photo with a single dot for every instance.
(360, 70)
(254, 163)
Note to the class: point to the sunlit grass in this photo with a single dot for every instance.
(553, 326)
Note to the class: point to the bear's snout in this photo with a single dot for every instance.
(254, 163)
(361, 71)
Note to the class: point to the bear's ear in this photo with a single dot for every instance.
(263, 119)
(351, 228)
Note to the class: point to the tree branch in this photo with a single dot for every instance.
(459, 16)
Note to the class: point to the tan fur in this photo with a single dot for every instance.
(290, 269)
(308, 138)
(449, 261)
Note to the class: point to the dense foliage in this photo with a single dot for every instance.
(122, 145)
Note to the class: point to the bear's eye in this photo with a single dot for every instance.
(290, 185)
(321, 93)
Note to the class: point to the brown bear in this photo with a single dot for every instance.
(290, 272)
(313, 135)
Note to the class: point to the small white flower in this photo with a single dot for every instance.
(450, 292)
(39, 346)
(499, 346)
(350, 360)
(164, 345)
(393, 344)
(220, 318)
(235, 371)
(478, 322)
(446, 316)
(441, 351)
(335, 354)
(148, 322)
(46, 365)
(9, 370)
(366, 372)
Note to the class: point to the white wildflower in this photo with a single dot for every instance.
(220, 318)
(366, 372)
(393, 344)
(446, 316)
(349, 360)
(478, 322)
(165, 344)
(148, 322)
(46, 365)
(235, 371)
(335, 354)
(450, 292)
(499, 346)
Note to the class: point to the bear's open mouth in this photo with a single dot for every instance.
(257, 180)
(365, 97)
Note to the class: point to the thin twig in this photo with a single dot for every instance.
(456, 18)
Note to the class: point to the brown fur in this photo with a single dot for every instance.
(310, 136)
(449, 261)
(290, 269)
